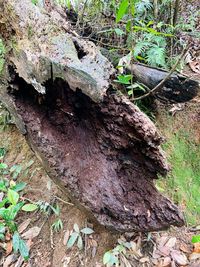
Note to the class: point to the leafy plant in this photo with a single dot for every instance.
(77, 236)
(57, 226)
(10, 205)
(113, 257)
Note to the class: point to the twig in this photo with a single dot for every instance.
(112, 46)
(158, 86)
(68, 203)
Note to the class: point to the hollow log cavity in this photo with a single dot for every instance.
(93, 142)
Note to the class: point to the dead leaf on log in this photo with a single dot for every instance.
(31, 233)
(179, 257)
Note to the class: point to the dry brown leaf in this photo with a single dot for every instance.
(94, 251)
(66, 237)
(171, 242)
(194, 256)
(179, 257)
(196, 247)
(154, 261)
(135, 251)
(9, 247)
(155, 254)
(144, 259)
(31, 233)
(8, 236)
(124, 260)
(163, 251)
(9, 260)
(166, 262)
(184, 248)
(195, 66)
(19, 262)
(23, 226)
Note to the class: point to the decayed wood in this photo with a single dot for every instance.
(93, 142)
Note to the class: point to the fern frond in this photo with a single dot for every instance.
(156, 56)
(140, 47)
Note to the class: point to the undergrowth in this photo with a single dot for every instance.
(183, 183)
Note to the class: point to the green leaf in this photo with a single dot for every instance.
(2, 228)
(124, 79)
(72, 239)
(23, 249)
(3, 166)
(196, 239)
(107, 257)
(2, 237)
(55, 209)
(80, 243)
(76, 228)
(14, 209)
(3, 202)
(15, 170)
(3, 187)
(16, 241)
(13, 196)
(19, 187)
(11, 225)
(119, 32)
(34, 2)
(29, 207)
(122, 10)
(87, 231)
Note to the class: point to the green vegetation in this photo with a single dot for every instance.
(183, 183)
(196, 239)
(77, 236)
(114, 256)
(10, 205)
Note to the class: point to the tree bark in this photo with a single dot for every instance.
(94, 143)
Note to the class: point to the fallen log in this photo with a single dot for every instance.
(178, 88)
(95, 144)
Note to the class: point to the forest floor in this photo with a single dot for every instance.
(181, 126)
(167, 248)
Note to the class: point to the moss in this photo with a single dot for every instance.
(183, 183)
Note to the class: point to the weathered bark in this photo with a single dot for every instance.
(93, 142)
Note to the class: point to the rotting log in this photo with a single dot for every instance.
(92, 141)
(178, 88)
